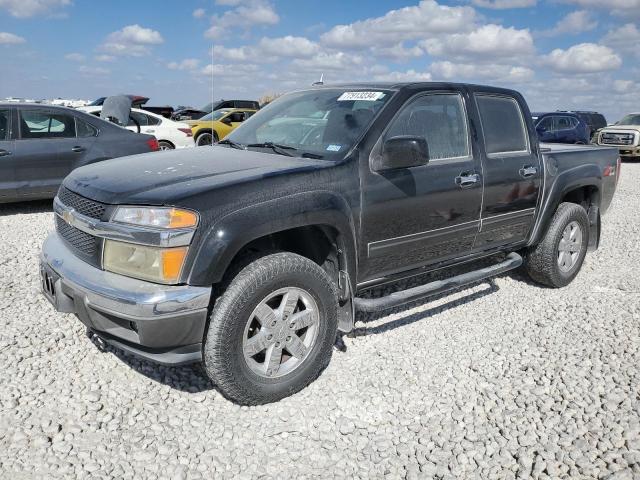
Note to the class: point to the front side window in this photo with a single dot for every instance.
(4, 124)
(502, 124)
(320, 123)
(440, 119)
(545, 124)
(43, 124)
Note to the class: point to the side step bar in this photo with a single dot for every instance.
(402, 297)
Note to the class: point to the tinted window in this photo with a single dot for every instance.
(143, 119)
(440, 119)
(502, 124)
(4, 124)
(42, 124)
(85, 129)
(564, 123)
(546, 123)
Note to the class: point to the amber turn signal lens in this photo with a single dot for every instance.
(172, 261)
(182, 218)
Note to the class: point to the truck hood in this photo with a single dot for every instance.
(165, 178)
(618, 128)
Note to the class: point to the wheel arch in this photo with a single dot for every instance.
(581, 185)
(307, 224)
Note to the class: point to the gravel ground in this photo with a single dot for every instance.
(502, 380)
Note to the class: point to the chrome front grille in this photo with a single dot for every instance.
(611, 138)
(80, 204)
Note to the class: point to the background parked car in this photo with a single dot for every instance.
(218, 124)
(594, 120)
(170, 134)
(195, 114)
(624, 134)
(561, 127)
(42, 144)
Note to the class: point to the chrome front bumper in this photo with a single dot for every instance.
(162, 323)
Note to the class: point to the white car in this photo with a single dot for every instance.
(170, 134)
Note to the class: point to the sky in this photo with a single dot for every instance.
(561, 54)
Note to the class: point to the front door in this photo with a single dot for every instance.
(47, 149)
(417, 216)
(512, 173)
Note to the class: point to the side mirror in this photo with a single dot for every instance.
(403, 151)
(226, 120)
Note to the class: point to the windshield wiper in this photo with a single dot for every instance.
(232, 144)
(315, 156)
(276, 147)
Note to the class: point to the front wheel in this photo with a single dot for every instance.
(272, 331)
(164, 145)
(557, 259)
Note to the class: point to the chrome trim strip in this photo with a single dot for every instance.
(121, 232)
(387, 242)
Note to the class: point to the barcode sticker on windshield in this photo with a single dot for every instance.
(364, 96)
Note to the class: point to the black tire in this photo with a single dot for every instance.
(164, 145)
(206, 139)
(542, 261)
(224, 359)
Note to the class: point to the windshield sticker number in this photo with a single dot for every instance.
(334, 148)
(363, 96)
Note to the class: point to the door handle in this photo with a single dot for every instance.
(150, 130)
(467, 179)
(78, 149)
(4, 153)
(528, 171)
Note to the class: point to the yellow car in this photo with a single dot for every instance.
(216, 125)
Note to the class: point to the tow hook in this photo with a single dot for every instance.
(97, 341)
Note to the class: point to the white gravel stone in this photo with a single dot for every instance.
(504, 379)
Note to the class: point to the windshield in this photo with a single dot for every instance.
(633, 119)
(323, 123)
(215, 115)
(209, 107)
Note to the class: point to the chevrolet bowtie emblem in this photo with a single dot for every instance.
(67, 216)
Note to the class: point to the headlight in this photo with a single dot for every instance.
(159, 217)
(161, 265)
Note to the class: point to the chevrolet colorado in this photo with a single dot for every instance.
(250, 255)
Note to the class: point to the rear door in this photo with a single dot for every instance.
(48, 150)
(511, 169)
(7, 155)
(412, 217)
(565, 128)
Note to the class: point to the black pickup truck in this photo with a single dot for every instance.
(252, 254)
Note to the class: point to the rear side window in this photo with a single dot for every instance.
(85, 129)
(502, 124)
(438, 118)
(4, 124)
(43, 124)
(564, 123)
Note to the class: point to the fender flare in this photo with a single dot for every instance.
(578, 177)
(229, 234)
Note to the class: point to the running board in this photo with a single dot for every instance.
(402, 297)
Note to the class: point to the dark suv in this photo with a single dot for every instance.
(561, 127)
(594, 120)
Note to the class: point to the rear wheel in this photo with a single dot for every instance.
(272, 331)
(206, 138)
(557, 259)
(164, 145)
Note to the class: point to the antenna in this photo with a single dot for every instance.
(319, 82)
